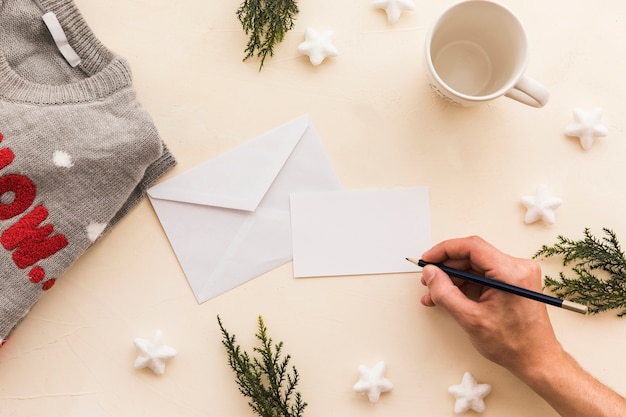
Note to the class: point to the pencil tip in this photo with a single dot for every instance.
(412, 260)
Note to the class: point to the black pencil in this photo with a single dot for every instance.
(503, 286)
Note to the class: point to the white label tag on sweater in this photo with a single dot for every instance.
(58, 34)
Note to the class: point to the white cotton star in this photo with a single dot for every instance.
(541, 206)
(372, 381)
(317, 46)
(469, 394)
(587, 126)
(153, 353)
(394, 8)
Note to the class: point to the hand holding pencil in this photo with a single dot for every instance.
(511, 330)
(503, 286)
(503, 327)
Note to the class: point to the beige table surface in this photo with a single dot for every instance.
(382, 127)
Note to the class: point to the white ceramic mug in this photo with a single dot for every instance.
(477, 51)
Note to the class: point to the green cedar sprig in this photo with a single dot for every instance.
(265, 379)
(265, 22)
(588, 257)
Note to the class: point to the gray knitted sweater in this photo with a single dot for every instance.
(77, 151)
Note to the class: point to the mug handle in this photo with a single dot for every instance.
(529, 92)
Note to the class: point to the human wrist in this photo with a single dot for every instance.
(569, 389)
(551, 375)
(541, 366)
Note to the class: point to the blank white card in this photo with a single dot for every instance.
(359, 232)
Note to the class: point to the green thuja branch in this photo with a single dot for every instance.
(265, 379)
(600, 268)
(265, 22)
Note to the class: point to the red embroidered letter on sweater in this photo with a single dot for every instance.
(23, 191)
(6, 155)
(32, 243)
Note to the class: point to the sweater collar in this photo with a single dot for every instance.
(105, 72)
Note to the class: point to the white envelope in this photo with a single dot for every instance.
(228, 219)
